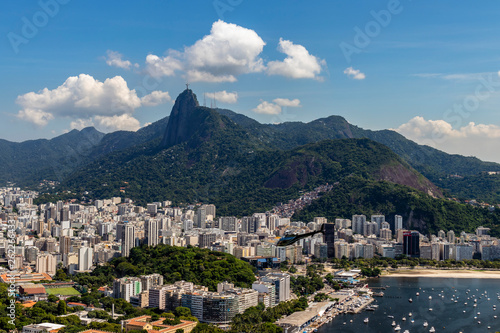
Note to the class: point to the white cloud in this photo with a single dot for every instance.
(224, 96)
(287, 102)
(37, 117)
(122, 122)
(481, 140)
(228, 51)
(267, 108)
(114, 58)
(456, 76)
(165, 66)
(354, 73)
(83, 97)
(155, 98)
(299, 63)
(275, 107)
(80, 124)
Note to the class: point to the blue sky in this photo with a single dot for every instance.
(427, 69)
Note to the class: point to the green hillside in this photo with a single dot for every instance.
(355, 195)
(200, 266)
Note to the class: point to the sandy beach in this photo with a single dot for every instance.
(438, 273)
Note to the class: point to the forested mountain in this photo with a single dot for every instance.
(199, 154)
(207, 157)
(461, 176)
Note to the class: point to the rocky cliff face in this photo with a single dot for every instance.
(179, 127)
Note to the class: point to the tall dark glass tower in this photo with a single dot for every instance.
(411, 243)
(329, 239)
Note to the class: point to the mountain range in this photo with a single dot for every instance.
(199, 154)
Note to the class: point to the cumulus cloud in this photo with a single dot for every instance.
(299, 63)
(37, 117)
(354, 73)
(224, 96)
(480, 140)
(267, 108)
(274, 107)
(155, 98)
(114, 58)
(165, 66)
(287, 102)
(80, 124)
(83, 97)
(122, 122)
(228, 51)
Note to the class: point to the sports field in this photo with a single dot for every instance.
(62, 291)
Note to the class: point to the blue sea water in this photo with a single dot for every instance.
(446, 315)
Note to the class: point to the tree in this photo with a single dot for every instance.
(179, 330)
(52, 298)
(62, 308)
(205, 328)
(182, 311)
(60, 275)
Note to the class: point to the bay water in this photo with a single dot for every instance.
(448, 313)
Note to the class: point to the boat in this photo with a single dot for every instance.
(412, 320)
(410, 314)
(393, 323)
(432, 330)
(430, 309)
(418, 294)
(426, 323)
(397, 328)
(389, 316)
(410, 300)
(430, 297)
(404, 319)
(366, 320)
(406, 331)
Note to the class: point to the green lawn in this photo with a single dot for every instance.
(62, 291)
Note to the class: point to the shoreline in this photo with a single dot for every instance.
(444, 273)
